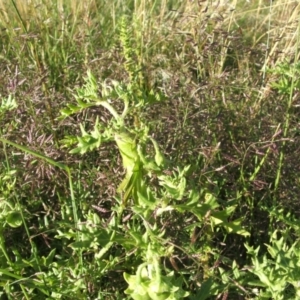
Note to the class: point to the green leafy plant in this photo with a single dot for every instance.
(149, 283)
(172, 192)
(278, 272)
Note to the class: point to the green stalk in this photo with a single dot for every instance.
(139, 272)
(19, 15)
(157, 272)
(34, 153)
(111, 110)
(2, 247)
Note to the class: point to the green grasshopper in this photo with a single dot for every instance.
(133, 165)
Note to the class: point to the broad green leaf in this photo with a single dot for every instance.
(14, 219)
(231, 227)
(161, 210)
(49, 259)
(131, 162)
(146, 200)
(205, 290)
(235, 270)
(100, 254)
(159, 158)
(128, 149)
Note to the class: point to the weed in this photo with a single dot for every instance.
(149, 149)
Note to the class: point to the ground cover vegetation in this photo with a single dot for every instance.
(149, 149)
